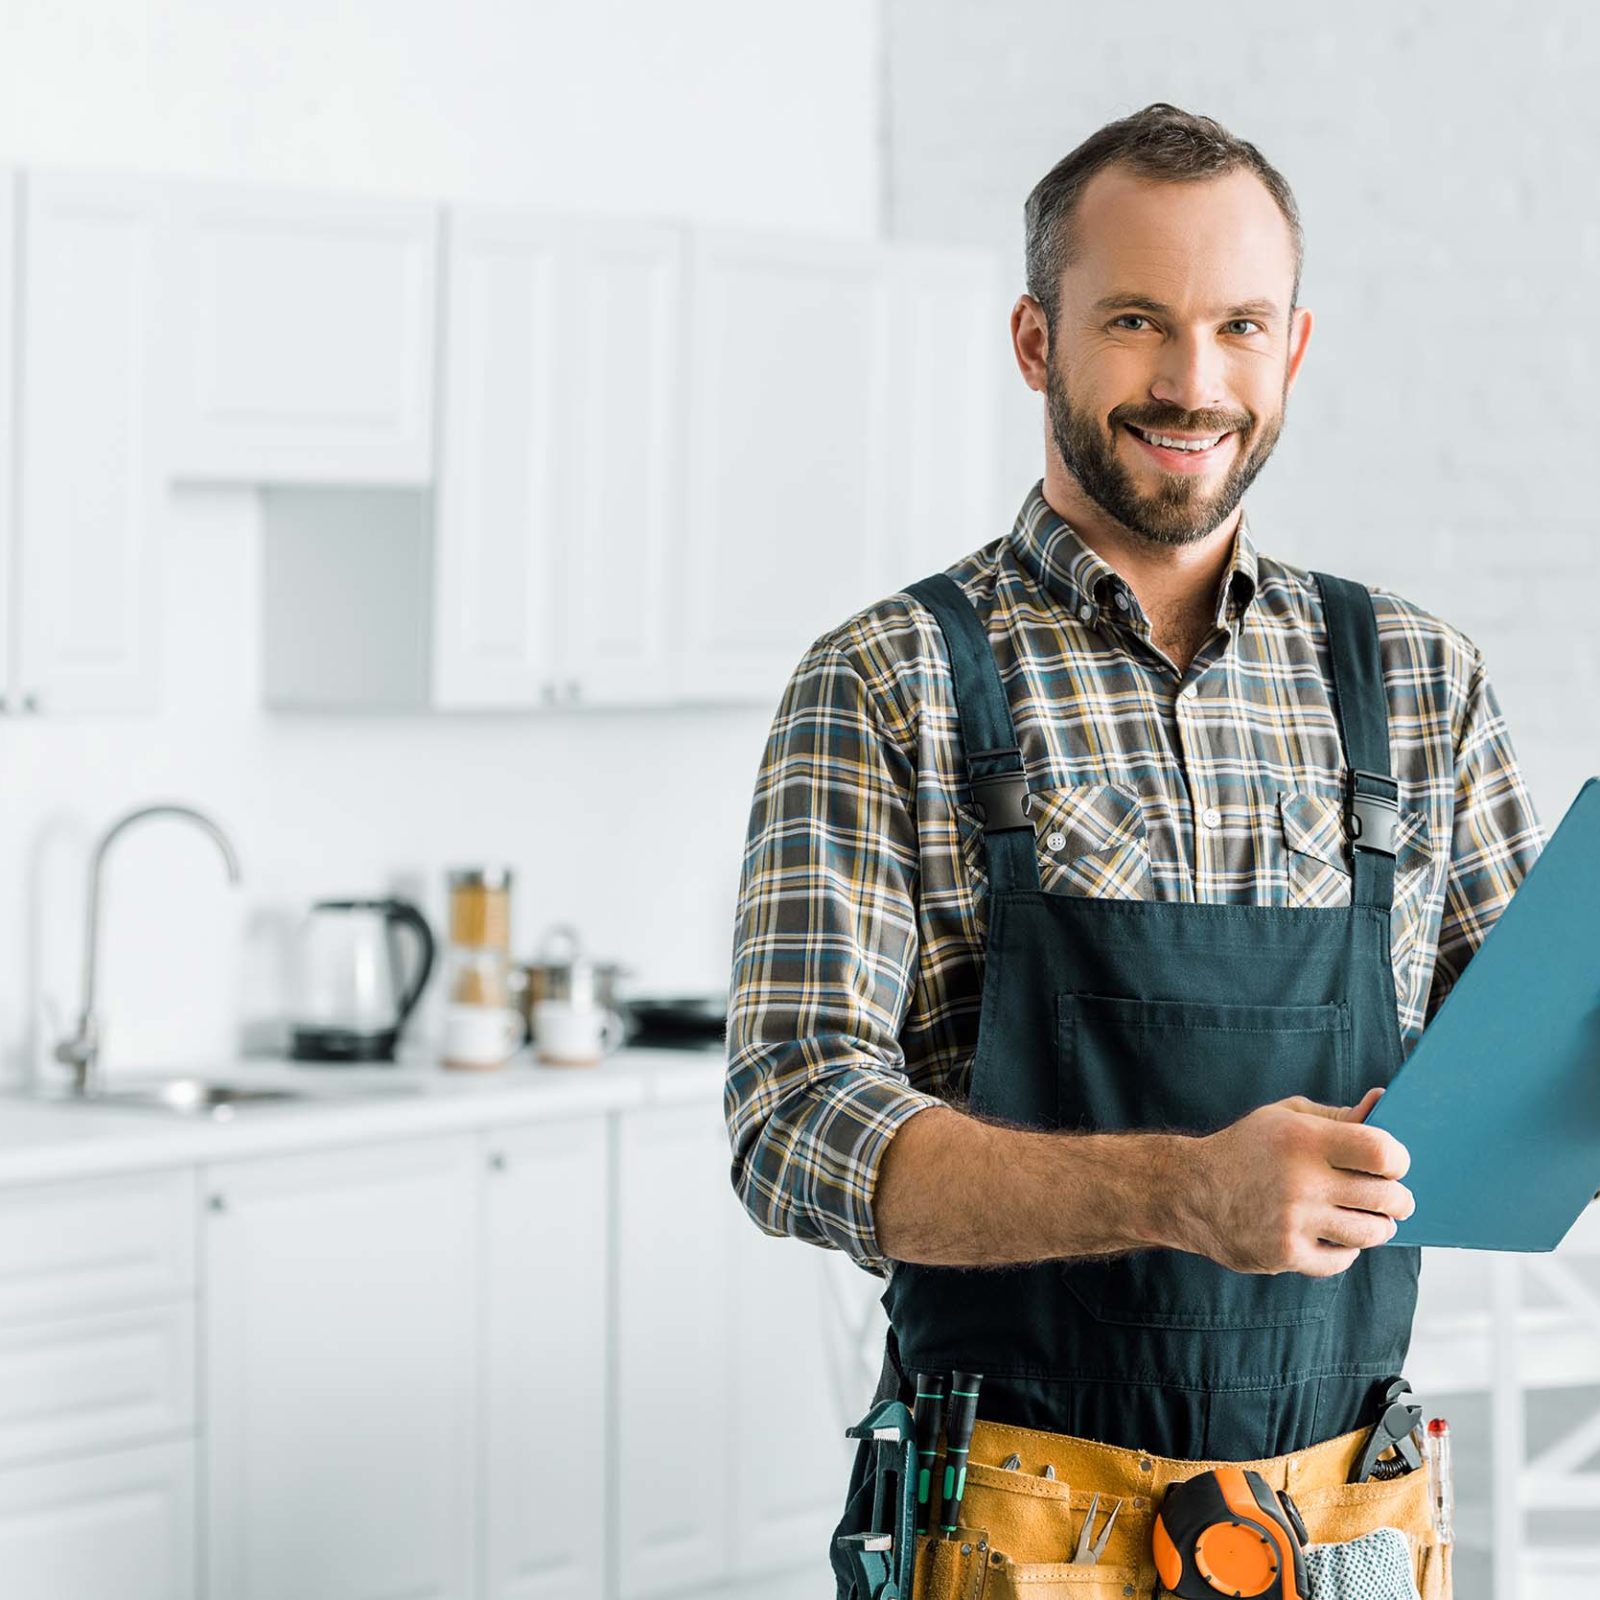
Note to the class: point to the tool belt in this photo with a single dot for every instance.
(1018, 1527)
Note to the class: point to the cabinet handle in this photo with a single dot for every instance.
(497, 1161)
(217, 1203)
(30, 703)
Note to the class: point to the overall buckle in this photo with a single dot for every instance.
(1372, 820)
(1002, 798)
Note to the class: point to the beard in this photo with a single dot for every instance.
(1181, 509)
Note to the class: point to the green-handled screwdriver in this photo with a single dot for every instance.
(963, 1412)
(928, 1415)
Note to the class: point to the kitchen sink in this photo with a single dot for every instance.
(209, 1097)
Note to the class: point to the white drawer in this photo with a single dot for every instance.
(119, 1526)
(93, 1383)
(96, 1244)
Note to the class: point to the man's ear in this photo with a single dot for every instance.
(1299, 338)
(1030, 342)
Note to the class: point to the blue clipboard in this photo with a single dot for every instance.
(1499, 1103)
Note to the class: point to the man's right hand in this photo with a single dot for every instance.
(1294, 1187)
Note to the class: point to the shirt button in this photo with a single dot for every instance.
(1189, 690)
(1085, 612)
(1057, 841)
(1122, 601)
(1211, 817)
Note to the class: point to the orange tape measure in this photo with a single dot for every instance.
(1229, 1532)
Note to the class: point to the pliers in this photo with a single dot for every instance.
(1089, 1545)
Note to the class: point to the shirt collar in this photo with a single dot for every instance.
(1053, 554)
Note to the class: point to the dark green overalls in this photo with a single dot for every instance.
(1110, 1015)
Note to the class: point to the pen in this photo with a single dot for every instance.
(928, 1416)
(1441, 1479)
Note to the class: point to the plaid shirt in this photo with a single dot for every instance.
(859, 936)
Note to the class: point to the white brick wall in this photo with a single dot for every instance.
(1443, 159)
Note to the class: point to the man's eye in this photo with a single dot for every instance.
(1240, 323)
(1128, 316)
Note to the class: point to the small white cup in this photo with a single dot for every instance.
(574, 1036)
(481, 1036)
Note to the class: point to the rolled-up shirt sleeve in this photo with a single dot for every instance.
(1496, 835)
(824, 964)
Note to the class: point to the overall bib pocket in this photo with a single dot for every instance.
(1193, 1067)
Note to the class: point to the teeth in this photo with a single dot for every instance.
(1178, 444)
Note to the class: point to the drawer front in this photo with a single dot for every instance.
(91, 1383)
(120, 1524)
(96, 1244)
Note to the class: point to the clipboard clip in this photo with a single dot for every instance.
(1372, 817)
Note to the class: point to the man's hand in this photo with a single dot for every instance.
(1294, 1187)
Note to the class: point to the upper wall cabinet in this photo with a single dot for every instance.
(8, 360)
(300, 335)
(558, 501)
(88, 477)
(789, 479)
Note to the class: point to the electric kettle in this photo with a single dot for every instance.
(353, 996)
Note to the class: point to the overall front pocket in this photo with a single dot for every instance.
(1187, 1066)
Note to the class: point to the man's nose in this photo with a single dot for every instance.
(1190, 374)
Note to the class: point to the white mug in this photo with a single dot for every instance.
(481, 1036)
(569, 1035)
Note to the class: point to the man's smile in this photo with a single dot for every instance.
(1179, 452)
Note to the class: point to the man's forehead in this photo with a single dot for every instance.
(1213, 244)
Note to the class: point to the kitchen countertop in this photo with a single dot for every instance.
(42, 1140)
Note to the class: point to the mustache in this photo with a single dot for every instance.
(1201, 422)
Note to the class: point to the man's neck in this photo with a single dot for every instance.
(1176, 584)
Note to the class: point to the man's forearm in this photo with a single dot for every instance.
(954, 1191)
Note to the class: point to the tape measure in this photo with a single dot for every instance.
(1229, 1532)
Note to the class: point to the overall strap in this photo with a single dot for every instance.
(987, 738)
(1372, 795)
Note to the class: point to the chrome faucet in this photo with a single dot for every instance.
(81, 1051)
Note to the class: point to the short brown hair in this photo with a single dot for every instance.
(1159, 142)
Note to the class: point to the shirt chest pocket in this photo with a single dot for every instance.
(1318, 870)
(1089, 840)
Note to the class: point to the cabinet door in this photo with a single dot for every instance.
(674, 1387)
(340, 1387)
(499, 529)
(300, 333)
(8, 387)
(789, 1415)
(88, 481)
(105, 1527)
(950, 347)
(788, 506)
(624, 386)
(545, 1336)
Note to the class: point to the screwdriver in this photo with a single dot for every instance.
(928, 1416)
(962, 1414)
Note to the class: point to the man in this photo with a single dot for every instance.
(1095, 888)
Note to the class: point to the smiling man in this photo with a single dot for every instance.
(1094, 889)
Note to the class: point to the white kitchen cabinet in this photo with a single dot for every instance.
(339, 1319)
(545, 1342)
(87, 477)
(96, 1244)
(675, 1218)
(9, 687)
(558, 505)
(950, 349)
(784, 1409)
(299, 336)
(789, 486)
(118, 1526)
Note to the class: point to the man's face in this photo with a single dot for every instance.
(1174, 320)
